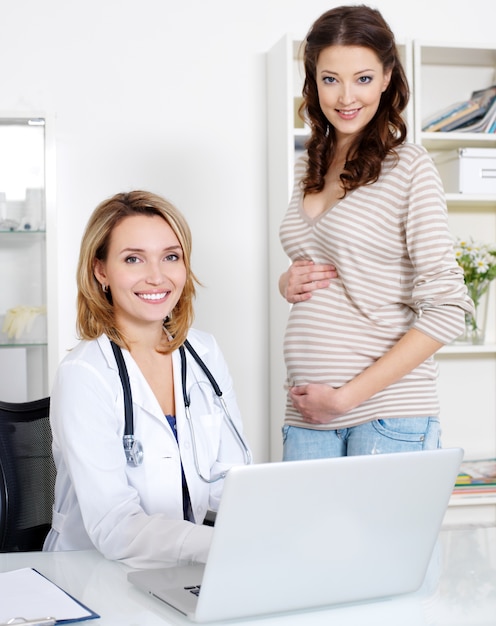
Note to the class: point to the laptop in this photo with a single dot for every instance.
(305, 534)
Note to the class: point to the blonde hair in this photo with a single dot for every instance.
(95, 312)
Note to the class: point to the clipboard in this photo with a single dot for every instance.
(26, 594)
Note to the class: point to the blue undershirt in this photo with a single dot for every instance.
(187, 509)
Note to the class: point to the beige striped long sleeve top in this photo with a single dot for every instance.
(393, 252)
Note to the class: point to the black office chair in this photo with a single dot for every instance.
(27, 475)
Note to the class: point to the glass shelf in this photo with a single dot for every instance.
(21, 231)
(22, 343)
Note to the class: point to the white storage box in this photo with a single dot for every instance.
(468, 170)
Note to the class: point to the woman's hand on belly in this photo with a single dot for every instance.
(303, 277)
(318, 403)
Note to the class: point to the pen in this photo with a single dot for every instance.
(20, 621)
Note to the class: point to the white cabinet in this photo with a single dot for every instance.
(439, 75)
(25, 205)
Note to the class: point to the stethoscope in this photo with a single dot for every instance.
(133, 447)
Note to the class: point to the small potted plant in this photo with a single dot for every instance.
(478, 261)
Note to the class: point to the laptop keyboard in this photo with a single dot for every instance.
(194, 589)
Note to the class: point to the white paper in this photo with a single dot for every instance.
(26, 593)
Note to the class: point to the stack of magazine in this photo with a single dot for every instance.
(477, 477)
(476, 115)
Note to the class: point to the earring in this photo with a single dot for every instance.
(104, 288)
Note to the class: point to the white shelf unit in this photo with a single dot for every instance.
(27, 259)
(443, 75)
(285, 137)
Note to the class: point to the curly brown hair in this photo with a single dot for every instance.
(95, 312)
(353, 26)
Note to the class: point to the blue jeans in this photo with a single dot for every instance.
(400, 434)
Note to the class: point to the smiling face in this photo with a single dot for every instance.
(144, 270)
(350, 82)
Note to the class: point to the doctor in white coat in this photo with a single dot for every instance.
(135, 289)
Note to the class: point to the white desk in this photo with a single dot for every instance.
(460, 589)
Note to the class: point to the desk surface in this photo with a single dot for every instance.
(459, 590)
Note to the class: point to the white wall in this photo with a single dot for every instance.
(170, 96)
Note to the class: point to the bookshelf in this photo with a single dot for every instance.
(439, 74)
(444, 74)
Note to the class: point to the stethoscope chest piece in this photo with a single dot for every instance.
(133, 450)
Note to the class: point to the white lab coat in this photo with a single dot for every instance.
(130, 513)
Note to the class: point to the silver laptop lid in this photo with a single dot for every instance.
(304, 534)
